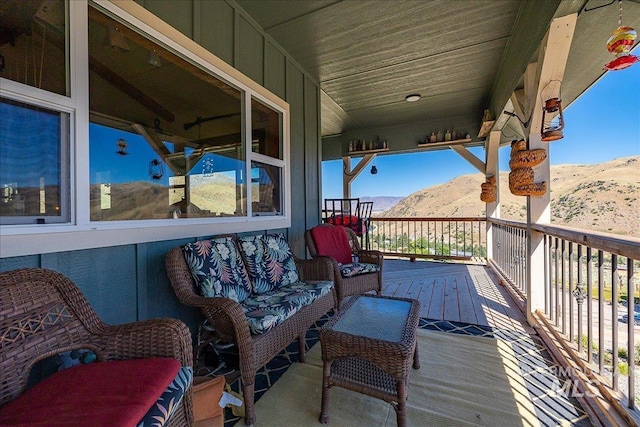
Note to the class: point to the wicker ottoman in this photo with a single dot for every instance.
(369, 347)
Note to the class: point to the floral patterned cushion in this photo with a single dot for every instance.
(265, 311)
(269, 262)
(357, 268)
(168, 402)
(218, 269)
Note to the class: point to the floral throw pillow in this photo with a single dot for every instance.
(218, 269)
(269, 261)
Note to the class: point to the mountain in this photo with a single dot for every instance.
(603, 197)
(382, 203)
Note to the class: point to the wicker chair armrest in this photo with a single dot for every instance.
(163, 337)
(227, 317)
(317, 268)
(371, 257)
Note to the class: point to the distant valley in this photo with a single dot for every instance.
(603, 197)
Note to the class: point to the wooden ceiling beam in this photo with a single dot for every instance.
(532, 23)
(129, 89)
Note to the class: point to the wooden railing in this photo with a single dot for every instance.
(509, 244)
(446, 238)
(591, 296)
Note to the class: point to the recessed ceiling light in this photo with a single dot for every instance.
(413, 97)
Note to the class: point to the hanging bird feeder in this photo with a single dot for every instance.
(620, 44)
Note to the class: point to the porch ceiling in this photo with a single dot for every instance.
(461, 56)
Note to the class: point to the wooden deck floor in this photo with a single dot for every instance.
(471, 293)
(468, 293)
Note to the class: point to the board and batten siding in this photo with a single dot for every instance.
(128, 283)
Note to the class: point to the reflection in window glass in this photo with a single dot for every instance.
(33, 142)
(166, 137)
(33, 41)
(266, 125)
(266, 189)
(130, 181)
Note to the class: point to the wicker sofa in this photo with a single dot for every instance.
(43, 314)
(254, 293)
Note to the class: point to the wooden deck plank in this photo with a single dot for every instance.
(466, 302)
(451, 304)
(436, 305)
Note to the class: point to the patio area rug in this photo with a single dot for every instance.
(533, 365)
(463, 381)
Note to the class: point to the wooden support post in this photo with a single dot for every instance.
(348, 175)
(553, 59)
(492, 210)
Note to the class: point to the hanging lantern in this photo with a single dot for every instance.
(620, 44)
(122, 147)
(156, 171)
(552, 120)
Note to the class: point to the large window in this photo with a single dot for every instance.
(168, 141)
(166, 137)
(34, 138)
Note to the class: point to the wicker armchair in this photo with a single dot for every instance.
(356, 284)
(228, 320)
(42, 314)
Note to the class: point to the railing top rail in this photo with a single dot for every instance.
(443, 219)
(621, 245)
(515, 224)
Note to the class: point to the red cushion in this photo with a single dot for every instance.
(351, 221)
(332, 241)
(115, 393)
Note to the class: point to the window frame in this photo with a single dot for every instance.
(81, 232)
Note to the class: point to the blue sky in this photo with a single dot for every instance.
(601, 125)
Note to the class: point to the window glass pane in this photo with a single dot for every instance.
(266, 126)
(33, 44)
(266, 191)
(129, 180)
(166, 137)
(33, 142)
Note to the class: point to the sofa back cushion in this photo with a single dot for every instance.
(332, 240)
(269, 261)
(218, 268)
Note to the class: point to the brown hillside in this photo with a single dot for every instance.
(603, 197)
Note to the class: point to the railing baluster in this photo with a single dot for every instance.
(580, 287)
(552, 300)
(569, 290)
(589, 307)
(614, 318)
(631, 351)
(545, 241)
(601, 312)
(564, 289)
(555, 283)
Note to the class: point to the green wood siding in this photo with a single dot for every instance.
(215, 28)
(275, 76)
(249, 58)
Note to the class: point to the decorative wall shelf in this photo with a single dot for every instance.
(443, 143)
(375, 150)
